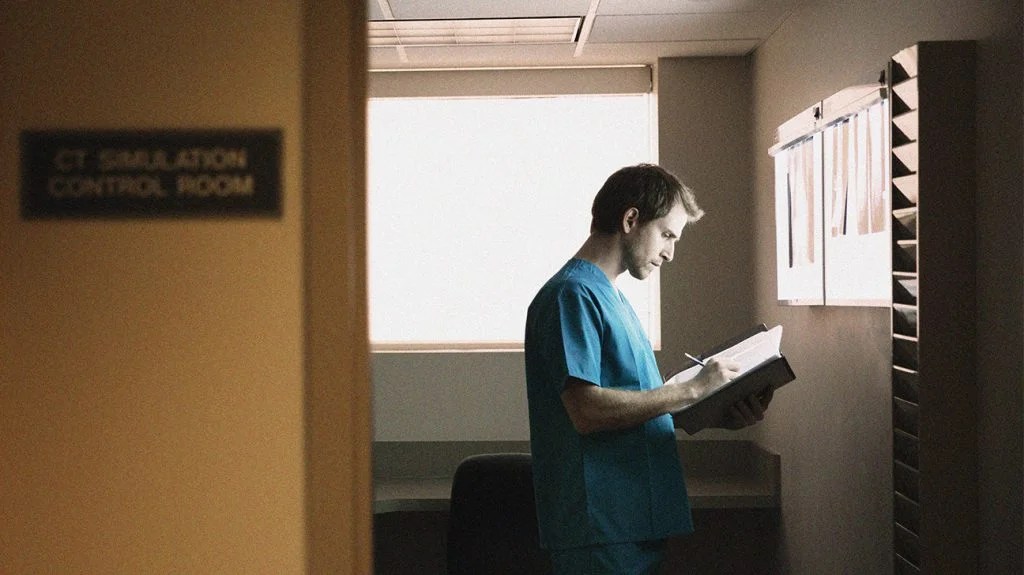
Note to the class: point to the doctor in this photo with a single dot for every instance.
(607, 476)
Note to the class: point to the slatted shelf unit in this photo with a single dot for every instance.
(934, 397)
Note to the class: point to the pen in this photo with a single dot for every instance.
(699, 362)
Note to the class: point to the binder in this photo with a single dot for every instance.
(712, 410)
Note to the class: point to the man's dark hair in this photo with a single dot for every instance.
(651, 189)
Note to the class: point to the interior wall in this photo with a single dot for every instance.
(833, 427)
(449, 396)
(706, 293)
(338, 415)
(150, 370)
(704, 138)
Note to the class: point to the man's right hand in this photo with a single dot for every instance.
(716, 373)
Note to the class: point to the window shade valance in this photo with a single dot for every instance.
(510, 82)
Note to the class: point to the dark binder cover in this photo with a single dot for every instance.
(712, 410)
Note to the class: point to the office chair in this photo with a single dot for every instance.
(492, 527)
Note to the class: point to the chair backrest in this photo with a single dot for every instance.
(492, 525)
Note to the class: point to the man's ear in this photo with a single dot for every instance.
(630, 220)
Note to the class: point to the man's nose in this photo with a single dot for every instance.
(668, 252)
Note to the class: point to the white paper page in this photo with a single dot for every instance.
(750, 353)
(755, 350)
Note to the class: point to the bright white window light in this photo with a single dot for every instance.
(475, 202)
(469, 32)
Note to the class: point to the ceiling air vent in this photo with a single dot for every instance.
(474, 32)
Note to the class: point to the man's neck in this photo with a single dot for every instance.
(604, 251)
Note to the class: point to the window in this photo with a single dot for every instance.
(475, 202)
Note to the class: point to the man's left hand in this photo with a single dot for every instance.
(749, 411)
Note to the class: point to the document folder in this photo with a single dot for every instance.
(763, 367)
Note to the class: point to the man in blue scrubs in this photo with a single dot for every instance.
(607, 476)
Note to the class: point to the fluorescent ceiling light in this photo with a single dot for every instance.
(469, 32)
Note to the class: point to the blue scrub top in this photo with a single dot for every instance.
(605, 487)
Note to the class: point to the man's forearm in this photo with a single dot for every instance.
(592, 408)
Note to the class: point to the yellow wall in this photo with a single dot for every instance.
(151, 371)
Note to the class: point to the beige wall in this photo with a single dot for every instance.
(151, 371)
(833, 428)
(704, 138)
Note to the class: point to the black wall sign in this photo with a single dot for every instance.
(72, 174)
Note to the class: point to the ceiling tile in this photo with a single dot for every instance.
(649, 52)
(679, 27)
(622, 7)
